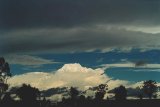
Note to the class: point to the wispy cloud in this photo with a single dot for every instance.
(129, 65)
(28, 60)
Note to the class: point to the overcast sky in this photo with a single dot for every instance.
(38, 26)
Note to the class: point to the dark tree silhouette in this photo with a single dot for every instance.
(155, 96)
(101, 91)
(27, 93)
(4, 67)
(74, 93)
(82, 98)
(4, 74)
(120, 93)
(7, 98)
(139, 92)
(3, 87)
(150, 88)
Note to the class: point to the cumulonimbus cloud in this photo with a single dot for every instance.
(73, 75)
(69, 75)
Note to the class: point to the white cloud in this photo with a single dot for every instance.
(124, 60)
(115, 83)
(136, 28)
(28, 60)
(129, 65)
(145, 29)
(67, 76)
(100, 60)
(120, 65)
(105, 50)
(71, 75)
(147, 70)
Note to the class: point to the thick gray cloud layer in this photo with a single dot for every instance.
(65, 13)
(77, 25)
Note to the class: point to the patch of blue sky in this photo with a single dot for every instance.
(95, 59)
(130, 74)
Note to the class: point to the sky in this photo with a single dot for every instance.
(110, 35)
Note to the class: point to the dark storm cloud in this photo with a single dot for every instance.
(69, 13)
(72, 40)
(77, 25)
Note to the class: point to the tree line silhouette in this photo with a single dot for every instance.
(27, 95)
